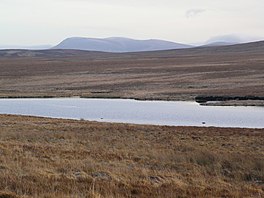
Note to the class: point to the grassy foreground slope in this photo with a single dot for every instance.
(42, 157)
(168, 75)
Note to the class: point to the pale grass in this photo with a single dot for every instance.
(43, 158)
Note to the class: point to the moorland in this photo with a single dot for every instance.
(179, 74)
(42, 157)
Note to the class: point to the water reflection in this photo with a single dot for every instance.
(138, 112)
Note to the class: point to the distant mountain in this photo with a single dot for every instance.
(234, 39)
(118, 44)
(35, 47)
(248, 48)
(231, 39)
(219, 44)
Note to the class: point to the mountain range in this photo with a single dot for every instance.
(121, 44)
(251, 48)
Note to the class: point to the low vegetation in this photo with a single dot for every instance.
(227, 71)
(42, 157)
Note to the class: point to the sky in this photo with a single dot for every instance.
(37, 22)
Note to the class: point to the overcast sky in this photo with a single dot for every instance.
(34, 22)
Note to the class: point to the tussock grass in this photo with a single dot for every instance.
(42, 157)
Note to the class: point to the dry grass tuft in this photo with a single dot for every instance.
(7, 195)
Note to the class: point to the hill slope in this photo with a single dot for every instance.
(181, 74)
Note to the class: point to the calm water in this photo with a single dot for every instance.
(138, 112)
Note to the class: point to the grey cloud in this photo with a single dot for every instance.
(194, 12)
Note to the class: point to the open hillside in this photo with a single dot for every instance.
(236, 70)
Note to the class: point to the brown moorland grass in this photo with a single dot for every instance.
(41, 157)
(168, 75)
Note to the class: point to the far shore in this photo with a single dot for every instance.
(175, 75)
(231, 102)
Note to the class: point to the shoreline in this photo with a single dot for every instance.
(129, 124)
(206, 101)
